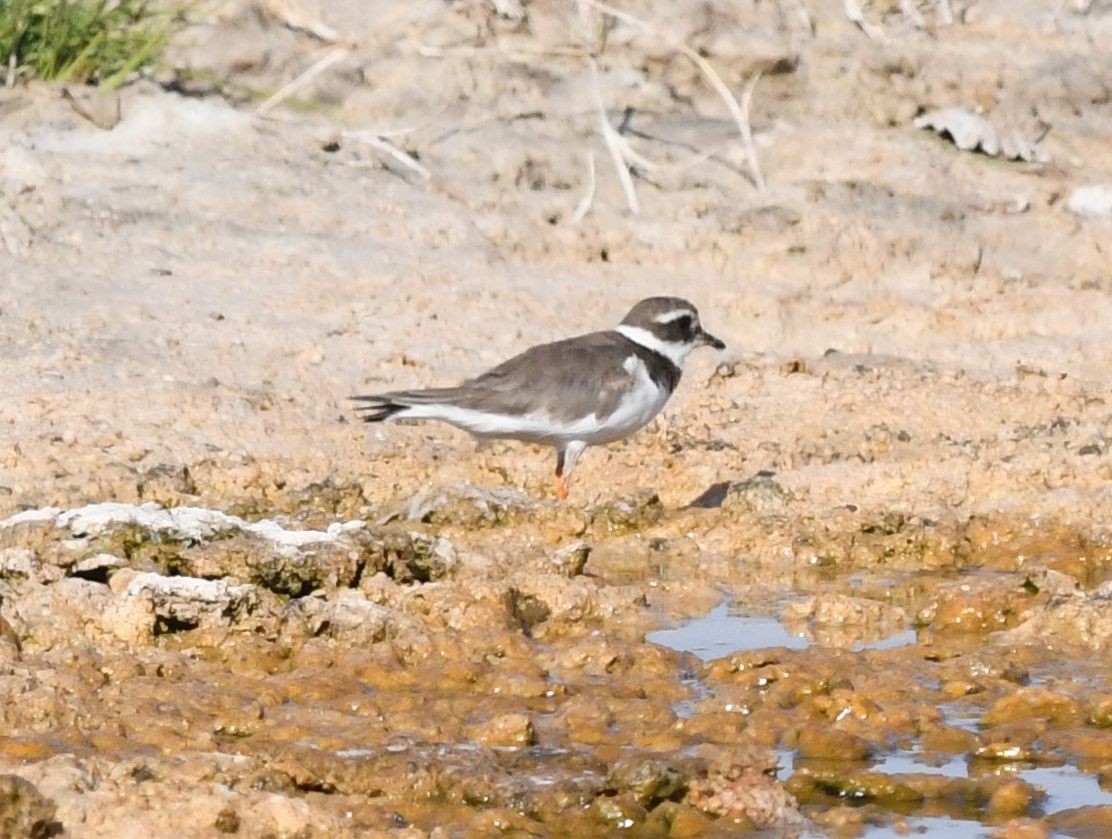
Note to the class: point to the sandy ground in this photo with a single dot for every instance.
(916, 334)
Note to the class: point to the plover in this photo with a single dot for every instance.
(583, 391)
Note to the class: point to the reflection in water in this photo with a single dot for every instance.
(724, 631)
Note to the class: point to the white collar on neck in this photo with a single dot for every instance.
(676, 353)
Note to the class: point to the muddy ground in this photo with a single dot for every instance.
(229, 609)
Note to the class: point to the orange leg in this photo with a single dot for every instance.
(565, 463)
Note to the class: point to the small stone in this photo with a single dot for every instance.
(682, 821)
(1100, 710)
(120, 581)
(1092, 201)
(227, 820)
(571, 560)
(1084, 821)
(759, 494)
(1037, 703)
(825, 743)
(648, 781)
(1011, 798)
(504, 730)
(24, 811)
(620, 811)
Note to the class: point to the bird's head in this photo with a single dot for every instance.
(669, 326)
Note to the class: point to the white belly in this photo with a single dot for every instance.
(641, 404)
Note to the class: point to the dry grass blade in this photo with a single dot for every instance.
(613, 143)
(739, 114)
(584, 205)
(746, 134)
(290, 88)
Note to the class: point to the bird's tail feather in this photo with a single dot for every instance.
(383, 406)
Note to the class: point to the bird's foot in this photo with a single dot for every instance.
(561, 487)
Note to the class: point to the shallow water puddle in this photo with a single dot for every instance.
(727, 629)
(932, 827)
(1066, 786)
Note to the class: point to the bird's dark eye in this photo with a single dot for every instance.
(683, 324)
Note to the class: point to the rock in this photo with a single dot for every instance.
(513, 729)
(648, 780)
(1092, 201)
(1082, 621)
(683, 821)
(1011, 798)
(347, 615)
(812, 784)
(416, 557)
(760, 495)
(621, 812)
(199, 542)
(1084, 822)
(97, 567)
(629, 515)
(24, 812)
(972, 132)
(571, 560)
(826, 743)
(227, 821)
(1035, 702)
(153, 604)
(22, 564)
(741, 783)
(464, 505)
(1100, 710)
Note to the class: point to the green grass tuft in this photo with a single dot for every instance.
(87, 41)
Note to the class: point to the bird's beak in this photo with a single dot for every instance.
(705, 339)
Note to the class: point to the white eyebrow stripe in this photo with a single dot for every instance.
(675, 314)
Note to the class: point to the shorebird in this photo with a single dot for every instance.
(583, 391)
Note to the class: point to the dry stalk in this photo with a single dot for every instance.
(739, 114)
(334, 56)
(613, 143)
(584, 205)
